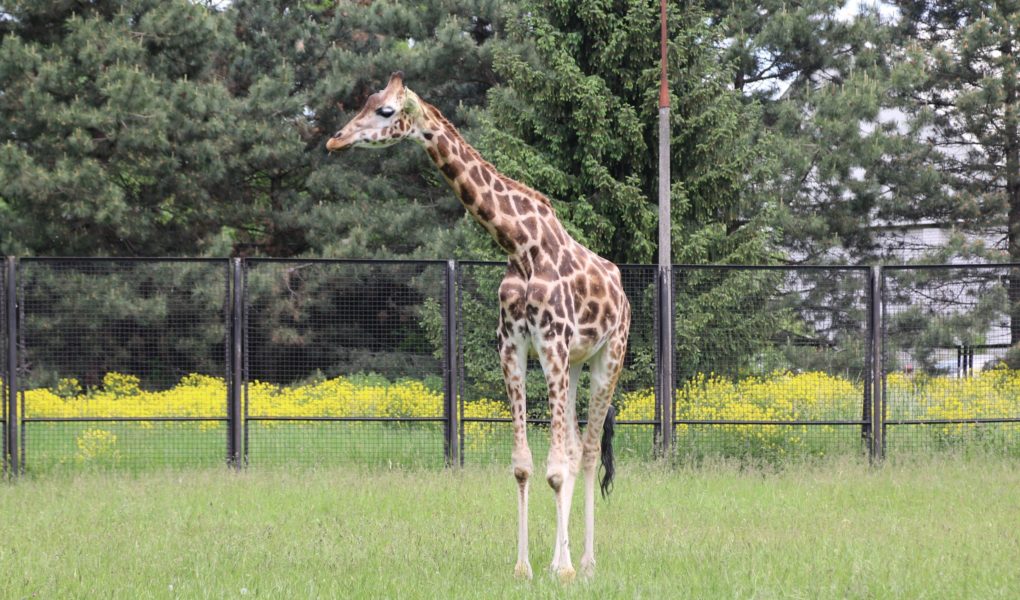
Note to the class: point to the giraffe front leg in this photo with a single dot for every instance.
(514, 360)
(562, 567)
(588, 558)
(561, 468)
(522, 570)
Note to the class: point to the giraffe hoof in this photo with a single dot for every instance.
(566, 574)
(523, 570)
(587, 567)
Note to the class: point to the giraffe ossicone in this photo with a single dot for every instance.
(558, 300)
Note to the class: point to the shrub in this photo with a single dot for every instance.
(779, 397)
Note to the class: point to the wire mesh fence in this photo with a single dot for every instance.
(138, 363)
(771, 362)
(121, 363)
(950, 340)
(344, 361)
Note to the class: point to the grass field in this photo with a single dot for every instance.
(74, 446)
(925, 528)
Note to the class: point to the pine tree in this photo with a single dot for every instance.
(888, 122)
(392, 202)
(960, 87)
(852, 167)
(171, 128)
(822, 76)
(964, 92)
(577, 118)
(164, 128)
(115, 126)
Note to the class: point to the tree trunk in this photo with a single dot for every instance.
(1012, 151)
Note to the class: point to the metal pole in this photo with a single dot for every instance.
(11, 435)
(665, 387)
(657, 361)
(459, 375)
(234, 426)
(245, 359)
(877, 449)
(451, 437)
(665, 344)
(869, 368)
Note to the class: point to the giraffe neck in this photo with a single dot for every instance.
(520, 219)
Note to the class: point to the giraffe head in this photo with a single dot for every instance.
(388, 117)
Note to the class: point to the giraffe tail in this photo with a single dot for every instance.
(609, 470)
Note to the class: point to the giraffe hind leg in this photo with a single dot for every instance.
(573, 454)
(605, 371)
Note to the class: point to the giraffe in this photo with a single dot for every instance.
(558, 300)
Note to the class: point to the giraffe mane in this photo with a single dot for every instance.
(434, 113)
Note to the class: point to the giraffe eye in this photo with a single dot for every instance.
(385, 111)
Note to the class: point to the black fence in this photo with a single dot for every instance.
(119, 363)
(951, 332)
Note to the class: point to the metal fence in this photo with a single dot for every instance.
(946, 329)
(133, 363)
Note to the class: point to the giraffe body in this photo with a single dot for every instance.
(558, 300)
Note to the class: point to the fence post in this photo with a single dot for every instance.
(451, 439)
(869, 321)
(664, 364)
(234, 424)
(877, 421)
(11, 459)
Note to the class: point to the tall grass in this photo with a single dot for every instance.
(924, 528)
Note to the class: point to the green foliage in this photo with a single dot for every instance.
(900, 114)
(883, 120)
(170, 128)
(819, 76)
(961, 83)
(576, 118)
(724, 319)
(342, 318)
(934, 312)
(156, 320)
(114, 129)
(150, 127)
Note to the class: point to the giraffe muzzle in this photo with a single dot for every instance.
(337, 144)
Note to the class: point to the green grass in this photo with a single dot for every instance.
(924, 528)
(129, 446)
(67, 446)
